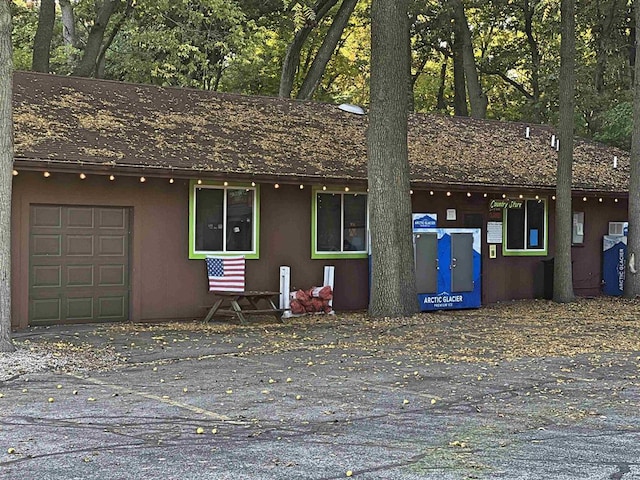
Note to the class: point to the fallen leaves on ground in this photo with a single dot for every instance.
(500, 332)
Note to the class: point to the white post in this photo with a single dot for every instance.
(329, 271)
(285, 287)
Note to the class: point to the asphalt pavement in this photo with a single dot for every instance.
(317, 400)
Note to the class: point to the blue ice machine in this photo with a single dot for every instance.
(614, 254)
(447, 264)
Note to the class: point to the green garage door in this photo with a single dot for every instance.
(78, 264)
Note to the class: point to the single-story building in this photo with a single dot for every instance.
(121, 190)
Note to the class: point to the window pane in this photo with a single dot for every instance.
(209, 226)
(515, 228)
(535, 224)
(355, 222)
(329, 222)
(239, 220)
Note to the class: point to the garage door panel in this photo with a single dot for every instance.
(80, 217)
(80, 275)
(46, 216)
(109, 245)
(111, 307)
(112, 275)
(80, 308)
(45, 245)
(111, 218)
(79, 264)
(47, 276)
(80, 245)
(45, 310)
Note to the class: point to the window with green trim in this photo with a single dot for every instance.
(525, 227)
(223, 219)
(340, 223)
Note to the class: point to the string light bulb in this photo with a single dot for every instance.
(553, 197)
(600, 199)
(584, 199)
(504, 195)
(448, 194)
(171, 180)
(199, 182)
(431, 192)
(346, 189)
(112, 178)
(14, 172)
(484, 195)
(82, 176)
(615, 200)
(324, 187)
(226, 184)
(142, 179)
(410, 192)
(253, 184)
(277, 185)
(468, 194)
(520, 196)
(301, 187)
(46, 174)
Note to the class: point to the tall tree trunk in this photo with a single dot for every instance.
(6, 178)
(534, 52)
(440, 102)
(477, 98)
(319, 64)
(292, 57)
(88, 62)
(100, 61)
(562, 275)
(632, 279)
(413, 77)
(602, 40)
(393, 289)
(44, 33)
(68, 23)
(459, 82)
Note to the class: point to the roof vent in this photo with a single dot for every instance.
(348, 107)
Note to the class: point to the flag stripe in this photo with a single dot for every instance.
(226, 273)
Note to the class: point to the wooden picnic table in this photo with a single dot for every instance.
(242, 304)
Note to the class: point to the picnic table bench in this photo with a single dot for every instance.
(242, 304)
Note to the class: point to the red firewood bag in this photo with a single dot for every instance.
(317, 304)
(324, 293)
(296, 307)
(302, 296)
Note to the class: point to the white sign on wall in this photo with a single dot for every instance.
(494, 232)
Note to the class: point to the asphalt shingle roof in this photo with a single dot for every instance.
(70, 121)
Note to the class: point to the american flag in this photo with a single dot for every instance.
(226, 273)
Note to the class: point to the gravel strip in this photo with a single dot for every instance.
(58, 356)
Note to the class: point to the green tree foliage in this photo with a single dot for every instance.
(177, 42)
(617, 126)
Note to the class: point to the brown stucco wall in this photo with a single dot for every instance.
(165, 284)
(509, 278)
